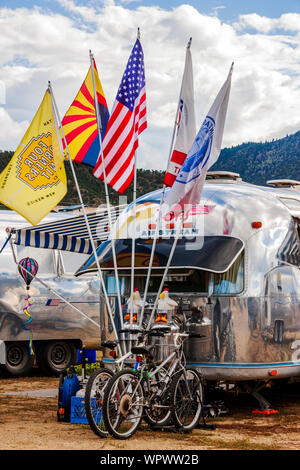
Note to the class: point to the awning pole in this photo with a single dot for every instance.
(86, 219)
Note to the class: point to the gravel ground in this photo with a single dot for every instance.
(28, 421)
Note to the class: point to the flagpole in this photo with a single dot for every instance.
(133, 237)
(99, 126)
(85, 217)
(133, 225)
(217, 113)
(162, 200)
(177, 112)
(178, 230)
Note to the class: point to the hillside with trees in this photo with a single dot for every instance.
(255, 162)
(259, 162)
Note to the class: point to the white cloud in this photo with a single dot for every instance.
(265, 91)
(255, 21)
(11, 131)
(215, 10)
(263, 24)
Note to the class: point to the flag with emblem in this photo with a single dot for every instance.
(80, 121)
(34, 181)
(127, 121)
(185, 122)
(188, 186)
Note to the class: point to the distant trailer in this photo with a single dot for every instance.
(60, 245)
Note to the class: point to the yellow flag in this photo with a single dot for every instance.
(34, 181)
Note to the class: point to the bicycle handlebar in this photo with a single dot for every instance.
(159, 332)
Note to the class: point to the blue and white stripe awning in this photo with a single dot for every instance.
(289, 252)
(69, 234)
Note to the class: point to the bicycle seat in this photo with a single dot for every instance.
(142, 350)
(159, 330)
(132, 329)
(109, 344)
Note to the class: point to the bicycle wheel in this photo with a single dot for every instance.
(157, 411)
(94, 392)
(123, 404)
(186, 398)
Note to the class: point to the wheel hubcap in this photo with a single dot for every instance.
(125, 404)
(14, 356)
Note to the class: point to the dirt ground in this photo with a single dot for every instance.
(30, 423)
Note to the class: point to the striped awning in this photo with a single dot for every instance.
(69, 234)
(289, 251)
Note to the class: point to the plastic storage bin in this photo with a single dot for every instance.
(90, 356)
(78, 411)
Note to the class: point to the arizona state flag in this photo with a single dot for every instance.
(80, 122)
(34, 181)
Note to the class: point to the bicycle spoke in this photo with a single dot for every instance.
(94, 400)
(123, 404)
(186, 397)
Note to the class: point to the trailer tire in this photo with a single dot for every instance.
(19, 361)
(54, 357)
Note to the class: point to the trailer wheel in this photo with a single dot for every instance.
(56, 356)
(18, 359)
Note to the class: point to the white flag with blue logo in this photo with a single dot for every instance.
(187, 188)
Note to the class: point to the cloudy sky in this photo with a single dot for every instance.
(50, 40)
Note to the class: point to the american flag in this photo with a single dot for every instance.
(52, 302)
(128, 119)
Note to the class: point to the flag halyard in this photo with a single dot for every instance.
(127, 121)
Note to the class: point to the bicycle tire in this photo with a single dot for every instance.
(154, 415)
(94, 400)
(186, 398)
(123, 404)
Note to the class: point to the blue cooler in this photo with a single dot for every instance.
(90, 356)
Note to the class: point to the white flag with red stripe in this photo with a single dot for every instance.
(186, 122)
(128, 119)
(205, 151)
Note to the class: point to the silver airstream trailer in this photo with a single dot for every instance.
(58, 330)
(237, 282)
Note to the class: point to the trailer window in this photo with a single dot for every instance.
(194, 281)
(111, 285)
(283, 281)
(289, 251)
(232, 281)
(72, 261)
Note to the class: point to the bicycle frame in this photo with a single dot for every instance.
(176, 365)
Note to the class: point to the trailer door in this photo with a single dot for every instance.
(282, 299)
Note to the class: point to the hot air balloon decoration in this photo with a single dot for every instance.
(28, 269)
